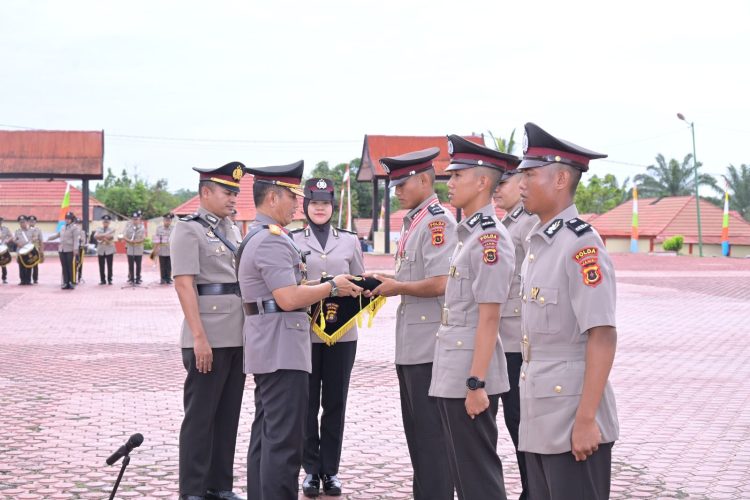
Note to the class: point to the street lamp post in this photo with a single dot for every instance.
(695, 172)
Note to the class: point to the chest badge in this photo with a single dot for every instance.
(534, 293)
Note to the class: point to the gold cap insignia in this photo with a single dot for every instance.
(237, 173)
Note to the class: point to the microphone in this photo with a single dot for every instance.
(133, 442)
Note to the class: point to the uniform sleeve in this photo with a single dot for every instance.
(185, 250)
(493, 260)
(438, 242)
(591, 281)
(275, 260)
(357, 265)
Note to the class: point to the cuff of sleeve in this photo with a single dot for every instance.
(594, 322)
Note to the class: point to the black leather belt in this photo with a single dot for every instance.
(219, 289)
(269, 306)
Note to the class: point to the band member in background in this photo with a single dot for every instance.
(161, 244)
(330, 251)
(6, 238)
(38, 239)
(69, 237)
(105, 249)
(134, 235)
(21, 238)
(79, 252)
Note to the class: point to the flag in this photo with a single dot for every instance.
(634, 229)
(64, 208)
(725, 224)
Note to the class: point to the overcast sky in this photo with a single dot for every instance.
(274, 82)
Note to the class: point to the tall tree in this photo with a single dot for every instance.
(671, 179)
(126, 194)
(503, 145)
(739, 188)
(601, 195)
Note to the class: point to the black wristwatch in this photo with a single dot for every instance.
(473, 383)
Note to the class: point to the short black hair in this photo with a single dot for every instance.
(494, 175)
(575, 177)
(208, 184)
(260, 189)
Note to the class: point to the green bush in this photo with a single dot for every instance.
(149, 245)
(673, 244)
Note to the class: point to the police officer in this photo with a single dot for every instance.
(6, 237)
(38, 239)
(568, 415)
(21, 238)
(276, 332)
(135, 235)
(105, 249)
(69, 237)
(161, 238)
(518, 222)
(203, 249)
(424, 249)
(469, 371)
(330, 251)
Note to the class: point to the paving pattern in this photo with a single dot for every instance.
(82, 370)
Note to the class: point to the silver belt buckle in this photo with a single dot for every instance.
(444, 316)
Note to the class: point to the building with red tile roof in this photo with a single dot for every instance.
(61, 154)
(42, 198)
(662, 218)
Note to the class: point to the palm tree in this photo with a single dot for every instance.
(502, 145)
(739, 186)
(672, 179)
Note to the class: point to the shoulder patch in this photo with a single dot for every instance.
(588, 259)
(436, 209)
(489, 247)
(516, 212)
(553, 228)
(274, 229)
(578, 226)
(474, 220)
(190, 217)
(488, 222)
(437, 229)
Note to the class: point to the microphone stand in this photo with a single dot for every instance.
(125, 462)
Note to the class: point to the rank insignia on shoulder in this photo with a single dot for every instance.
(488, 222)
(516, 212)
(212, 219)
(553, 228)
(274, 229)
(299, 230)
(343, 230)
(474, 220)
(436, 209)
(578, 226)
(188, 218)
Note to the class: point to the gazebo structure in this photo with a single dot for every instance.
(54, 154)
(381, 146)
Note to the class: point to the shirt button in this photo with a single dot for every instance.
(437, 334)
(558, 389)
(524, 298)
(515, 310)
(324, 274)
(520, 293)
(459, 343)
(531, 256)
(456, 274)
(526, 338)
(323, 256)
(541, 300)
(523, 376)
(297, 325)
(213, 308)
(423, 318)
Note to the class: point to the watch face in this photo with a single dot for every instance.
(472, 383)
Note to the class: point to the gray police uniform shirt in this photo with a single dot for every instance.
(568, 287)
(36, 236)
(519, 223)
(196, 251)
(134, 232)
(22, 237)
(342, 255)
(278, 340)
(426, 254)
(162, 238)
(5, 235)
(70, 238)
(105, 247)
(481, 270)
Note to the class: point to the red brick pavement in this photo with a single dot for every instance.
(83, 369)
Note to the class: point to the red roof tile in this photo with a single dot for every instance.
(245, 203)
(376, 147)
(662, 218)
(41, 198)
(51, 153)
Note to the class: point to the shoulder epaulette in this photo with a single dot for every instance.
(298, 230)
(487, 222)
(578, 226)
(346, 231)
(274, 229)
(436, 209)
(516, 212)
(190, 217)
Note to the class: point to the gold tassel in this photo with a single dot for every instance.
(372, 309)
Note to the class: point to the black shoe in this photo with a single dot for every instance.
(68, 287)
(311, 485)
(191, 497)
(109, 282)
(36, 282)
(138, 282)
(102, 282)
(331, 485)
(222, 495)
(5, 282)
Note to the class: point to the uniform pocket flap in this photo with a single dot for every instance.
(216, 304)
(543, 296)
(460, 272)
(511, 309)
(410, 256)
(422, 313)
(458, 342)
(295, 322)
(565, 384)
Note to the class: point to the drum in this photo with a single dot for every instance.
(28, 255)
(4, 255)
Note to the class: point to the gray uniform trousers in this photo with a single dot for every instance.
(424, 435)
(476, 469)
(274, 456)
(512, 414)
(560, 477)
(208, 435)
